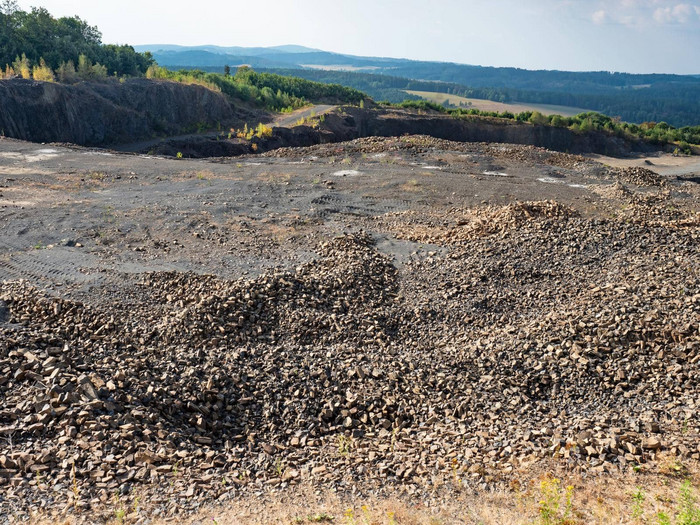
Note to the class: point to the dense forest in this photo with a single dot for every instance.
(36, 41)
(390, 88)
(677, 103)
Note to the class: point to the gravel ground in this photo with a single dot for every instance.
(370, 317)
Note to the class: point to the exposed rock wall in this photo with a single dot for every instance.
(392, 123)
(113, 112)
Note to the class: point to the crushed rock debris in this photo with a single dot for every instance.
(539, 335)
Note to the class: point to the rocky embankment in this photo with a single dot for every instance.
(348, 123)
(110, 112)
(395, 123)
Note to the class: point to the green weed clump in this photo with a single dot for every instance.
(556, 506)
(687, 511)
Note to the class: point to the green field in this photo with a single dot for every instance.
(489, 105)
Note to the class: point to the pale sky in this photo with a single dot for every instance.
(637, 36)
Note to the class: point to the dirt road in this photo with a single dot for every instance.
(287, 120)
(665, 164)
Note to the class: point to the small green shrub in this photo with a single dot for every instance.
(556, 503)
(688, 511)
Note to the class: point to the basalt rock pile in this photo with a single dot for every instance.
(534, 334)
(636, 175)
(421, 144)
(534, 154)
(464, 225)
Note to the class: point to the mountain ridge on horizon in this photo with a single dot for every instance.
(221, 50)
(294, 49)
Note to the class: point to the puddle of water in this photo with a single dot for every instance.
(497, 174)
(576, 185)
(432, 167)
(102, 153)
(347, 173)
(46, 151)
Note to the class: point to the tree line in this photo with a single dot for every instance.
(655, 132)
(35, 45)
(67, 48)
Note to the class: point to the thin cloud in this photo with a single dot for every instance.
(643, 13)
(600, 17)
(678, 14)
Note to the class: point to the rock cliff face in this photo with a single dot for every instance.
(392, 123)
(98, 114)
(353, 123)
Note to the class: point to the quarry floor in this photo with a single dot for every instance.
(398, 330)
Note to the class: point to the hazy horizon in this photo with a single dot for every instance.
(634, 36)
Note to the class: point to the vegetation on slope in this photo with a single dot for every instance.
(271, 91)
(36, 45)
(659, 133)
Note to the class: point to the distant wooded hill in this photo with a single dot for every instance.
(632, 97)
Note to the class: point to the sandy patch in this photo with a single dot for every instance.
(665, 164)
(347, 173)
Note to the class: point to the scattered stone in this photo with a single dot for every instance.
(528, 333)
